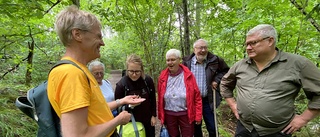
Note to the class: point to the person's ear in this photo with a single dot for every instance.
(76, 34)
(271, 41)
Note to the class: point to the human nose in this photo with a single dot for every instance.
(248, 46)
(102, 43)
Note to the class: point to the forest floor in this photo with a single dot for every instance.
(226, 119)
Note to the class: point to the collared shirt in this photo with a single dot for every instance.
(199, 72)
(265, 99)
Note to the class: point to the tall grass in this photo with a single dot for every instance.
(14, 123)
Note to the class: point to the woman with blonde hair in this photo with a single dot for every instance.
(136, 82)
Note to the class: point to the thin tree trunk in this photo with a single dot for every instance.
(76, 2)
(186, 28)
(198, 18)
(29, 59)
(180, 31)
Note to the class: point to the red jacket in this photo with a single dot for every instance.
(194, 100)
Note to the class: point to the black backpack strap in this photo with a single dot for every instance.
(54, 114)
(65, 61)
(126, 89)
(37, 101)
(145, 82)
(107, 81)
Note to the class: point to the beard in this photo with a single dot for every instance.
(201, 57)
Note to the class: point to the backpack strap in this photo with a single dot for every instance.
(145, 82)
(134, 124)
(107, 81)
(126, 89)
(65, 61)
(37, 106)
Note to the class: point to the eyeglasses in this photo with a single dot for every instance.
(202, 48)
(99, 36)
(137, 72)
(253, 43)
(98, 73)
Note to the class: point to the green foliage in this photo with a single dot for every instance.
(312, 129)
(13, 121)
(149, 29)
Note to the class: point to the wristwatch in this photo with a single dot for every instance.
(118, 102)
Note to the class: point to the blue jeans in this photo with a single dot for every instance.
(208, 117)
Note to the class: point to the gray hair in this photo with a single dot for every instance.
(174, 52)
(264, 30)
(95, 63)
(199, 40)
(73, 18)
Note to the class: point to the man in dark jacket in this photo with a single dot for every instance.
(208, 70)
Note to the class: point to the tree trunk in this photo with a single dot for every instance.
(180, 31)
(29, 59)
(186, 28)
(198, 18)
(76, 2)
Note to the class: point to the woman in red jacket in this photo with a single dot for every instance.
(179, 100)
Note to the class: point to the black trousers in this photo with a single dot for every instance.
(150, 130)
(241, 131)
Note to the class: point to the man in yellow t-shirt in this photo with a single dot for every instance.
(74, 93)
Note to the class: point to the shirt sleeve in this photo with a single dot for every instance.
(228, 83)
(310, 79)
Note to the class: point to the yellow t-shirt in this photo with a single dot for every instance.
(68, 90)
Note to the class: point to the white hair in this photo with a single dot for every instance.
(199, 40)
(264, 30)
(174, 52)
(95, 63)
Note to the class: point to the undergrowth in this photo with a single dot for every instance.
(14, 123)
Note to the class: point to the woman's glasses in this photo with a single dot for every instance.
(137, 72)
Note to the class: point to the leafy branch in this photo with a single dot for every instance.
(302, 10)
